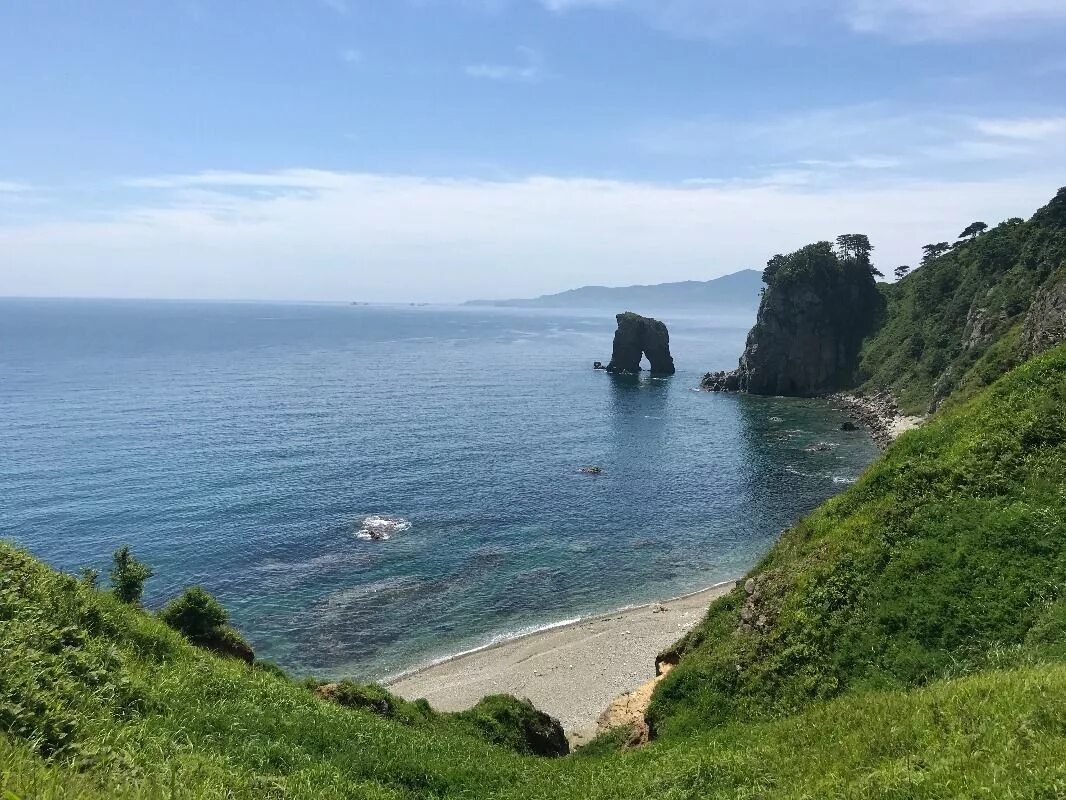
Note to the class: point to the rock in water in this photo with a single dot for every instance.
(637, 336)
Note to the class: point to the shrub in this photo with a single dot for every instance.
(505, 720)
(202, 620)
(128, 576)
(377, 700)
(195, 613)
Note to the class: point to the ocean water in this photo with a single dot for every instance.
(243, 447)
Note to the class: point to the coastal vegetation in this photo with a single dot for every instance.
(907, 626)
(957, 321)
(907, 639)
(971, 311)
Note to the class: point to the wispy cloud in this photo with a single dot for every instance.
(1031, 129)
(863, 142)
(333, 235)
(224, 179)
(900, 19)
(950, 19)
(12, 187)
(352, 56)
(528, 69)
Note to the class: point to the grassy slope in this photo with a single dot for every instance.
(922, 340)
(164, 720)
(947, 558)
(937, 562)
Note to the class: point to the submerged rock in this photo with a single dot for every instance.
(638, 336)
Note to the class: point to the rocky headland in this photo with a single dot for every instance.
(818, 305)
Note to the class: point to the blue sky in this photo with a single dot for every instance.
(445, 149)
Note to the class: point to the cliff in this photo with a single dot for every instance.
(970, 312)
(817, 307)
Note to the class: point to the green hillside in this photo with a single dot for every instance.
(906, 640)
(957, 321)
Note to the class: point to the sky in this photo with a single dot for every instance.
(442, 150)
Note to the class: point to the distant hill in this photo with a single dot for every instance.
(737, 291)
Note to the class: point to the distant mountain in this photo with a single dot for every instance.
(738, 291)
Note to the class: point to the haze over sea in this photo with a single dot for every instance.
(241, 446)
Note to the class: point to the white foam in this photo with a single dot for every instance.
(381, 527)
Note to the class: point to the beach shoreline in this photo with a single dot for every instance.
(878, 413)
(573, 670)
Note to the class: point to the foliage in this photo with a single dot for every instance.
(377, 700)
(973, 230)
(944, 317)
(514, 723)
(944, 554)
(128, 576)
(945, 560)
(195, 613)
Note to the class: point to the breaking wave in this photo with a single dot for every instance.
(380, 527)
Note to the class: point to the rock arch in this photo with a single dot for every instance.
(637, 336)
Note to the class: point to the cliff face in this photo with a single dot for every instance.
(1045, 323)
(816, 310)
(637, 336)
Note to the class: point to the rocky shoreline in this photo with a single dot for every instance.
(878, 412)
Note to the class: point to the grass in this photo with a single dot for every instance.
(907, 641)
(949, 549)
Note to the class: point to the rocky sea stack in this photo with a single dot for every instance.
(818, 305)
(637, 336)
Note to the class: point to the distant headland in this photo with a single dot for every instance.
(737, 292)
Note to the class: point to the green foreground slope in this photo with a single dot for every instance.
(906, 640)
(943, 557)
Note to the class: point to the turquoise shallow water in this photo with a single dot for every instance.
(241, 447)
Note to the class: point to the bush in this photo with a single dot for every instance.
(128, 576)
(202, 620)
(195, 613)
(505, 720)
(377, 700)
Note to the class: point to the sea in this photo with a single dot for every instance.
(371, 488)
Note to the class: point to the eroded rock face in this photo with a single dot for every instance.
(638, 336)
(815, 312)
(1045, 324)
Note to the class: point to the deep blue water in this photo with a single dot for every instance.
(240, 446)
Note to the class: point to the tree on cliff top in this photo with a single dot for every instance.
(973, 230)
(856, 248)
(931, 252)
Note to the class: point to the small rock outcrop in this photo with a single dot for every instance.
(638, 336)
(818, 306)
(1045, 324)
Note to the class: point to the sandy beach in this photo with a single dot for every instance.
(573, 672)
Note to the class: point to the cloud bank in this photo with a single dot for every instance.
(325, 235)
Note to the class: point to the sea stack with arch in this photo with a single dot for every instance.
(637, 336)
